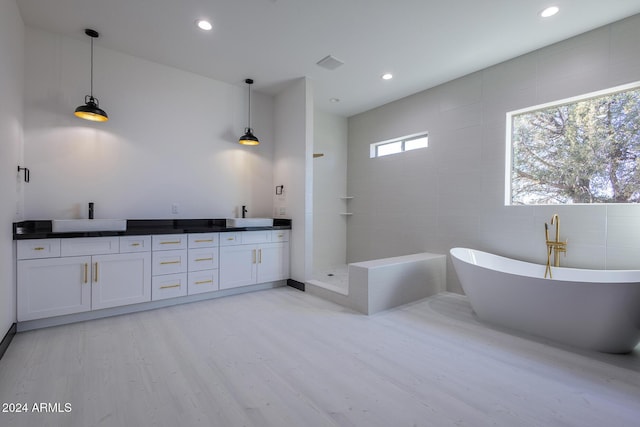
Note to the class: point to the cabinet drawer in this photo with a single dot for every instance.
(89, 246)
(135, 244)
(202, 281)
(253, 237)
(229, 239)
(169, 262)
(280, 235)
(169, 286)
(203, 240)
(38, 248)
(168, 242)
(203, 259)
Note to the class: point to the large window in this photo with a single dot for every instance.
(399, 145)
(579, 150)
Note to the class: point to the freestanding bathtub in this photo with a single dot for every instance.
(592, 309)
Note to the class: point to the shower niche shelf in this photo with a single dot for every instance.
(346, 199)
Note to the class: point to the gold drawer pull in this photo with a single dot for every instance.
(135, 244)
(39, 248)
(231, 238)
(170, 286)
(204, 240)
(86, 272)
(170, 262)
(202, 282)
(95, 279)
(204, 259)
(259, 256)
(176, 242)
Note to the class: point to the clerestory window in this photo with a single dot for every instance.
(399, 145)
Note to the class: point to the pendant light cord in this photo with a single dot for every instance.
(91, 93)
(249, 108)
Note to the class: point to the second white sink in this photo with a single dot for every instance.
(80, 225)
(249, 222)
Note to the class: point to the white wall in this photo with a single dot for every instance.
(171, 138)
(293, 168)
(11, 70)
(452, 193)
(329, 185)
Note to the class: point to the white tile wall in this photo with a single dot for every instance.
(452, 193)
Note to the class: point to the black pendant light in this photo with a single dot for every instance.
(249, 138)
(91, 109)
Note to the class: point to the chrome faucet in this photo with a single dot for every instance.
(554, 247)
(90, 210)
(244, 210)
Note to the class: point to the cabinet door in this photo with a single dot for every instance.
(120, 279)
(237, 266)
(273, 262)
(53, 287)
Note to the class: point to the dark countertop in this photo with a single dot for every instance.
(41, 229)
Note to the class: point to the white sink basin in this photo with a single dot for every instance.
(249, 222)
(79, 225)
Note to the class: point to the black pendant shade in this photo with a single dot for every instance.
(91, 109)
(249, 138)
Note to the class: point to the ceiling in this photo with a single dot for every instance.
(422, 42)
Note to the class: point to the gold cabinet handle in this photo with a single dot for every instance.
(86, 272)
(170, 262)
(170, 286)
(204, 259)
(202, 282)
(135, 244)
(95, 277)
(253, 255)
(231, 238)
(204, 241)
(176, 242)
(259, 256)
(39, 248)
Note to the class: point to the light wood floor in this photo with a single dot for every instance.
(285, 358)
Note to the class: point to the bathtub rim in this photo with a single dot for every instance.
(521, 268)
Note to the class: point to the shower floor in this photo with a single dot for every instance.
(335, 278)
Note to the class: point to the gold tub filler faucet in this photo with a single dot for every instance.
(554, 247)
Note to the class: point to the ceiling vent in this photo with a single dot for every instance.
(330, 62)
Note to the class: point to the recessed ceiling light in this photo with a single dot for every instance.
(387, 76)
(334, 100)
(550, 11)
(203, 24)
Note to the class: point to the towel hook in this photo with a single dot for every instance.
(27, 173)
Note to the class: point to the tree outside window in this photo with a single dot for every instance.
(584, 150)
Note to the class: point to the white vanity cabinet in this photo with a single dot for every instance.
(170, 264)
(79, 274)
(203, 255)
(120, 279)
(52, 287)
(184, 264)
(251, 257)
(63, 276)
